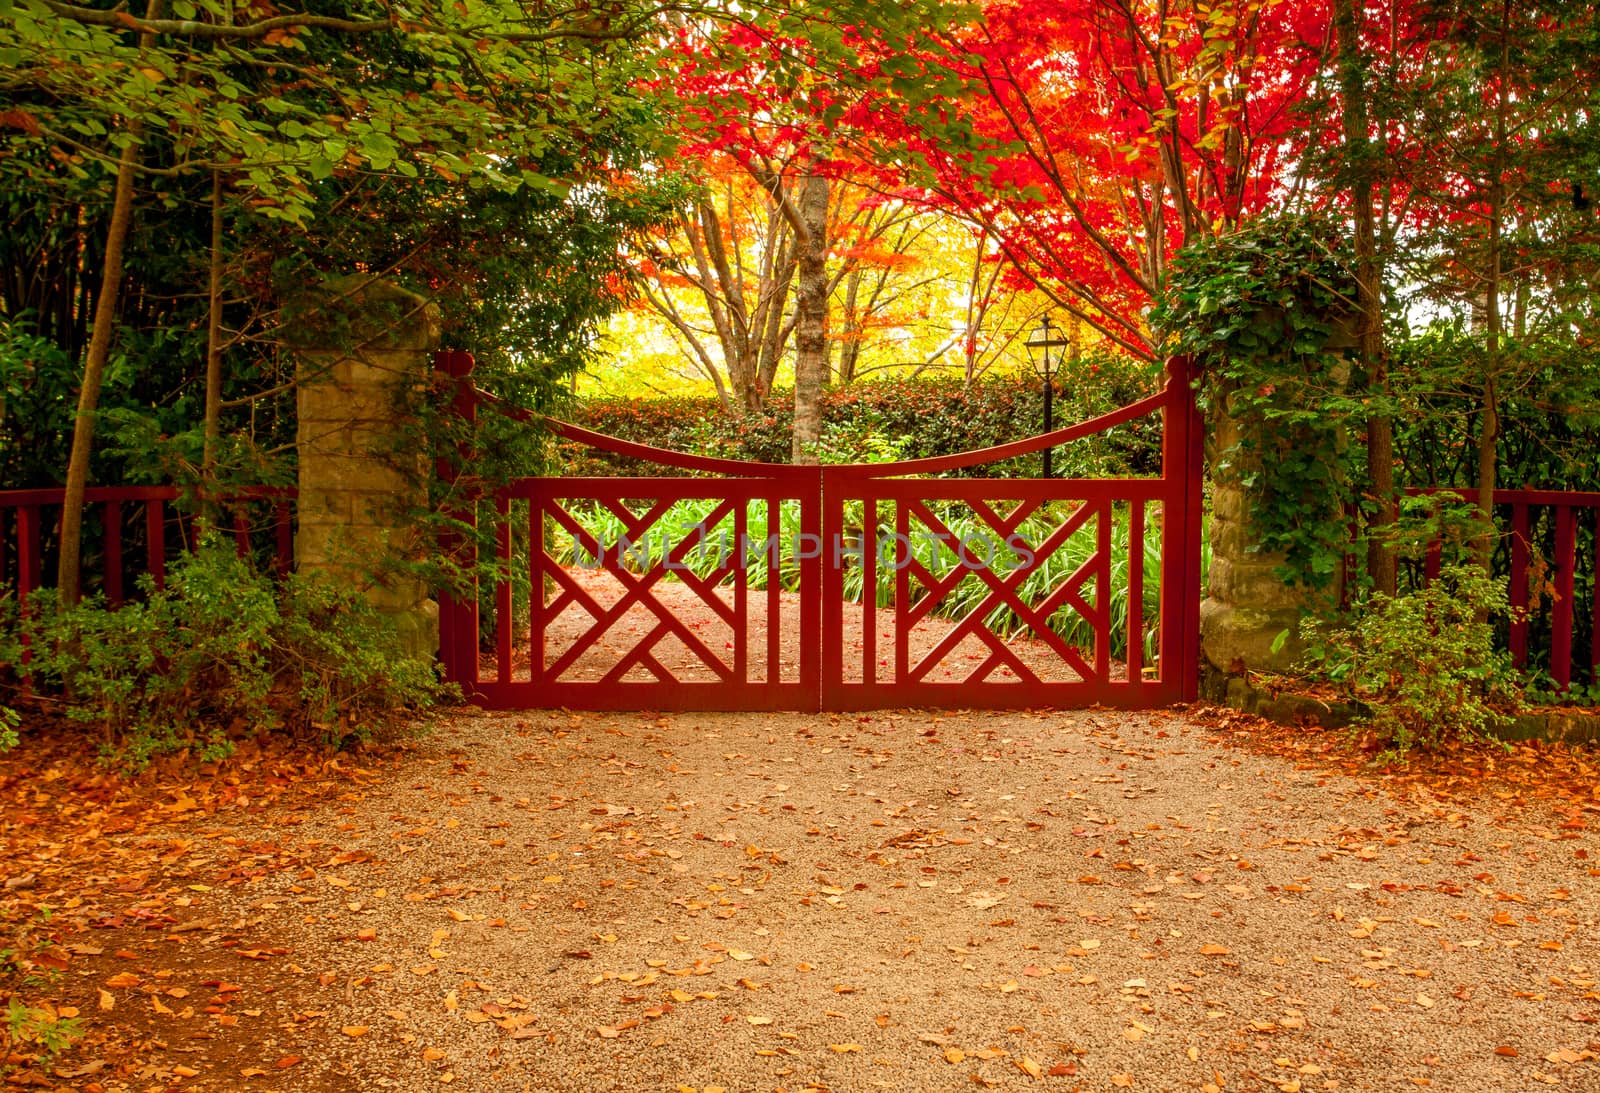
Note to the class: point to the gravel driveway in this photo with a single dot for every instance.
(903, 901)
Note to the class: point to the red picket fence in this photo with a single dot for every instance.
(636, 627)
(145, 517)
(1544, 531)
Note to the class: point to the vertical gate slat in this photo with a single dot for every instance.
(536, 582)
(1136, 591)
(28, 567)
(284, 525)
(811, 585)
(502, 589)
(869, 591)
(1594, 626)
(902, 592)
(1561, 614)
(447, 641)
(830, 593)
(1182, 475)
(1102, 593)
(28, 548)
(741, 594)
(1194, 515)
(458, 614)
(773, 547)
(112, 517)
(155, 531)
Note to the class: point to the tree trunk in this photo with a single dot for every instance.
(854, 326)
(213, 425)
(68, 585)
(1381, 557)
(774, 333)
(811, 320)
(777, 279)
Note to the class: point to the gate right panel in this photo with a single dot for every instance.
(996, 594)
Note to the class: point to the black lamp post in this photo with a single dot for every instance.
(1039, 345)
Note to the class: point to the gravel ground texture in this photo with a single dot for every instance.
(909, 901)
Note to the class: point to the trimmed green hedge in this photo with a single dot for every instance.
(899, 419)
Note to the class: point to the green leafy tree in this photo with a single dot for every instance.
(271, 112)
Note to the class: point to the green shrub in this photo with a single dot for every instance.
(1423, 664)
(219, 652)
(29, 961)
(10, 721)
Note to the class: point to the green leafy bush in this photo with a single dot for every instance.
(219, 652)
(1267, 314)
(29, 960)
(1423, 664)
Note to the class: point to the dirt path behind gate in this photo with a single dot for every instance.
(686, 604)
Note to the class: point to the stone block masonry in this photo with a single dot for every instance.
(365, 350)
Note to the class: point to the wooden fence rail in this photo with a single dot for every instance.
(29, 520)
(1550, 536)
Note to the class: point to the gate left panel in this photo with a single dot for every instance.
(655, 594)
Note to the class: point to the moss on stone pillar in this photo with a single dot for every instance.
(1248, 604)
(365, 349)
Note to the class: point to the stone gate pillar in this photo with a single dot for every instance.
(365, 350)
(1246, 605)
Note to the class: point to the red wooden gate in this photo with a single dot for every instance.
(764, 586)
